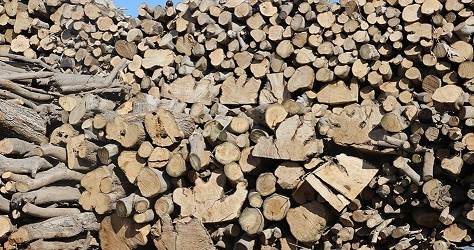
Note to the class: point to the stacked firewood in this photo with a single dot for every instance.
(237, 125)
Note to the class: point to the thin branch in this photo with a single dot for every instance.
(27, 76)
(9, 95)
(28, 60)
(17, 89)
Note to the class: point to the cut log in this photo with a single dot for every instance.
(57, 227)
(152, 182)
(21, 122)
(448, 102)
(29, 165)
(58, 173)
(275, 207)
(251, 221)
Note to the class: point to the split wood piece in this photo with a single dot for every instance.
(376, 232)
(21, 122)
(166, 128)
(294, 140)
(56, 227)
(107, 152)
(448, 98)
(452, 165)
(347, 174)
(152, 182)
(60, 245)
(247, 161)
(187, 90)
(438, 195)
(181, 234)
(338, 93)
(164, 205)
(302, 79)
(46, 195)
(128, 134)
(122, 233)
(275, 207)
(337, 201)
(240, 91)
(208, 202)
(131, 164)
(30, 165)
(251, 221)
(340, 127)
(270, 115)
(58, 173)
(15, 146)
(289, 174)
(402, 164)
(455, 232)
(48, 212)
(53, 151)
(307, 221)
(198, 156)
(89, 103)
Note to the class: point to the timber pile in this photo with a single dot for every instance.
(237, 125)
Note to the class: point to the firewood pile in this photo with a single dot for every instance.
(237, 125)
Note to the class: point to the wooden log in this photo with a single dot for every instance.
(62, 226)
(165, 128)
(21, 122)
(15, 146)
(60, 172)
(128, 134)
(275, 207)
(251, 221)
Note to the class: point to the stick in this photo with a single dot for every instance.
(28, 60)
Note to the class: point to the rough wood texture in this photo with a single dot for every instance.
(237, 124)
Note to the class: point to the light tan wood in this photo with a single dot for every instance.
(307, 221)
